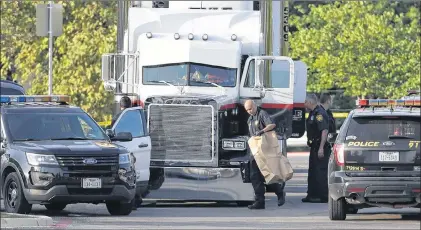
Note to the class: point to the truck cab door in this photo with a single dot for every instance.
(270, 81)
(133, 120)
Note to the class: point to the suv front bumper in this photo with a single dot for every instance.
(394, 192)
(63, 193)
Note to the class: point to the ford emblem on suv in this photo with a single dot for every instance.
(388, 143)
(90, 161)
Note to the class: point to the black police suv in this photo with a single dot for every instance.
(55, 154)
(376, 158)
(11, 88)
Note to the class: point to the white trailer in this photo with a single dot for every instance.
(191, 66)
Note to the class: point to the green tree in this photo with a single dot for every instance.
(364, 47)
(89, 30)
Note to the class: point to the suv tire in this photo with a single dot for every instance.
(117, 208)
(337, 209)
(14, 198)
(56, 206)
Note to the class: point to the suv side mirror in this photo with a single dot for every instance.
(122, 136)
(331, 137)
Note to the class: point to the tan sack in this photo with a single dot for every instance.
(286, 169)
(269, 159)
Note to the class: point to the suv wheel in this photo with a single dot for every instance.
(56, 206)
(337, 209)
(116, 208)
(14, 199)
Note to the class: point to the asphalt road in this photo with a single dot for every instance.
(293, 215)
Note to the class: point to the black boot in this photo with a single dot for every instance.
(281, 198)
(257, 205)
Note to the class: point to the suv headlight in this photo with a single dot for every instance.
(40, 159)
(124, 158)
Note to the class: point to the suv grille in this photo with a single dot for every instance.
(77, 162)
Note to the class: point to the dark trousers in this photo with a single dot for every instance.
(317, 172)
(258, 183)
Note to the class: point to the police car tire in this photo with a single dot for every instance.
(22, 205)
(117, 208)
(337, 209)
(55, 206)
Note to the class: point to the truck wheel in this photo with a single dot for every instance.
(116, 208)
(337, 209)
(14, 199)
(56, 206)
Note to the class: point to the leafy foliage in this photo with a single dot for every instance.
(367, 48)
(89, 30)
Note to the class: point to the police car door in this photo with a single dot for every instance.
(280, 97)
(133, 120)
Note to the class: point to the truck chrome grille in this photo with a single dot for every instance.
(181, 132)
(77, 161)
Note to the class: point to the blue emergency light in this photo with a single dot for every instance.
(34, 98)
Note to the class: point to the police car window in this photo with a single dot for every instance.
(383, 128)
(10, 91)
(51, 126)
(131, 121)
(87, 129)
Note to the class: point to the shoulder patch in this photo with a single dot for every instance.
(319, 118)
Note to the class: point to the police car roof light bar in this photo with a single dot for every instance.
(388, 102)
(13, 99)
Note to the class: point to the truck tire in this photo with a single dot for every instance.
(337, 209)
(117, 208)
(55, 206)
(14, 199)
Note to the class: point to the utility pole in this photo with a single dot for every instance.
(50, 48)
(49, 23)
(284, 28)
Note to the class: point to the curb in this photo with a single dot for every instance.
(21, 220)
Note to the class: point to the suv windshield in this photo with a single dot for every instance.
(384, 128)
(199, 75)
(52, 126)
(10, 91)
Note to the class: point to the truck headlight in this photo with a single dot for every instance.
(40, 159)
(124, 158)
(234, 145)
(239, 145)
(228, 144)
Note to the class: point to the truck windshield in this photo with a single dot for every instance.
(52, 126)
(199, 75)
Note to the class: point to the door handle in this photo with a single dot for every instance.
(143, 145)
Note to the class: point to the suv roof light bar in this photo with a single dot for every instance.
(13, 99)
(362, 103)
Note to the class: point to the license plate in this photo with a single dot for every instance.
(91, 183)
(389, 156)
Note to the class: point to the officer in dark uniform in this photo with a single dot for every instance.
(326, 103)
(125, 102)
(260, 122)
(317, 131)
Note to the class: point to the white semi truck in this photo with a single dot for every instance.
(191, 66)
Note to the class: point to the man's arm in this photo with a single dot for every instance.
(267, 121)
(323, 124)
